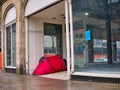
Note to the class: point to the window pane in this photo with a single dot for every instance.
(89, 15)
(14, 45)
(8, 46)
(52, 39)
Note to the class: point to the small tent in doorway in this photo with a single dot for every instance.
(49, 65)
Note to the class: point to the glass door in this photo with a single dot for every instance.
(52, 40)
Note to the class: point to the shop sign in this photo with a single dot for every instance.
(87, 35)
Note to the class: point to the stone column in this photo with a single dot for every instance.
(20, 38)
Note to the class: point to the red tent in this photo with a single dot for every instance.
(49, 65)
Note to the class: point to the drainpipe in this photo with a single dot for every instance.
(71, 34)
(67, 39)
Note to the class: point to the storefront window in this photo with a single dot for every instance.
(102, 19)
(89, 15)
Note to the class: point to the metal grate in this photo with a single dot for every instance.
(96, 79)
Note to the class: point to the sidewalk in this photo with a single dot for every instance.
(20, 82)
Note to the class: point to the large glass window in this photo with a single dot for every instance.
(96, 36)
(102, 19)
(89, 15)
(11, 45)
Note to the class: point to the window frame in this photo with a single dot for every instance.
(9, 25)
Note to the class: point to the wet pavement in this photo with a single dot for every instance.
(21, 82)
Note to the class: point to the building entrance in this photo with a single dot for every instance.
(47, 36)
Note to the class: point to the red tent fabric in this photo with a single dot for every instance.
(49, 65)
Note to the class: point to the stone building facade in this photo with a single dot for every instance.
(19, 6)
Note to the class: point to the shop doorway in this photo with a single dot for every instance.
(47, 36)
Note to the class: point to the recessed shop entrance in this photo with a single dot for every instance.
(47, 36)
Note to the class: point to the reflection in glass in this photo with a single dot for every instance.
(118, 51)
(8, 45)
(50, 46)
(100, 50)
(102, 18)
(89, 15)
(14, 45)
(52, 39)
